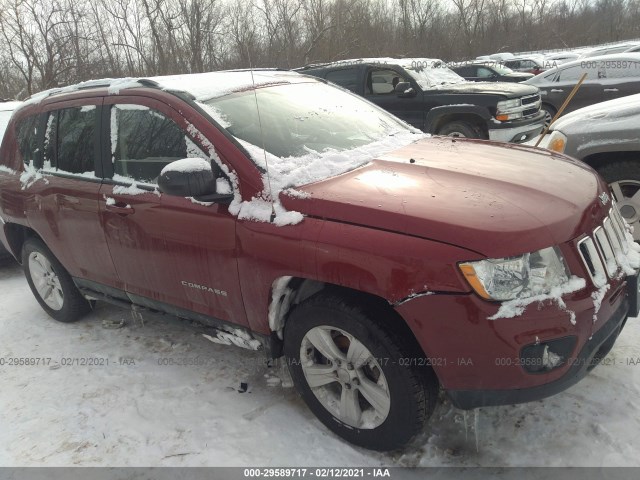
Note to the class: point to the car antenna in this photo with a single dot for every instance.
(264, 151)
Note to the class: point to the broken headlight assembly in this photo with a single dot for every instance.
(523, 276)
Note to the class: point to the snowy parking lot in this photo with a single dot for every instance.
(155, 392)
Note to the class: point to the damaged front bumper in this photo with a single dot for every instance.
(592, 353)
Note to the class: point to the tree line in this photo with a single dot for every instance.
(50, 43)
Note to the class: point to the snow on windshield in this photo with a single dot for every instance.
(302, 133)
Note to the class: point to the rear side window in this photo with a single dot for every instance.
(622, 69)
(346, 78)
(27, 139)
(70, 144)
(143, 141)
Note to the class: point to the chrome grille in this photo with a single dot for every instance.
(531, 105)
(530, 99)
(600, 251)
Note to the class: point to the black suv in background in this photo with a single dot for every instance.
(430, 96)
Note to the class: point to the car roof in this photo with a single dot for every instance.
(402, 62)
(201, 86)
(629, 56)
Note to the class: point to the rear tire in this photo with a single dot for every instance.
(357, 375)
(51, 284)
(460, 129)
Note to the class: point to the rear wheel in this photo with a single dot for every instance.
(360, 379)
(51, 284)
(624, 179)
(460, 129)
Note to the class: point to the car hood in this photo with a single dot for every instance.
(497, 200)
(610, 126)
(624, 108)
(505, 89)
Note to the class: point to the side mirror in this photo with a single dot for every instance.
(404, 89)
(192, 177)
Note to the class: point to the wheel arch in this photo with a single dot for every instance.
(16, 235)
(598, 160)
(437, 117)
(287, 292)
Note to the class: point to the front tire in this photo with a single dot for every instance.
(549, 113)
(51, 284)
(358, 377)
(461, 130)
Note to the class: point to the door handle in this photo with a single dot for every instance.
(120, 208)
(611, 90)
(556, 90)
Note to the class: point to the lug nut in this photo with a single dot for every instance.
(356, 382)
(349, 366)
(347, 386)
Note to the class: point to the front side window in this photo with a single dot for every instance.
(69, 144)
(144, 140)
(383, 82)
(484, 72)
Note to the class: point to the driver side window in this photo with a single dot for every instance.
(383, 82)
(144, 140)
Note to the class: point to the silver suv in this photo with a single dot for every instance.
(607, 137)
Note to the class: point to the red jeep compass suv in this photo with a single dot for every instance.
(292, 216)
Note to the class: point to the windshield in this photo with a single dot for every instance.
(297, 119)
(432, 74)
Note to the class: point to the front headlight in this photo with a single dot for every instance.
(505, 105)
(517, 277)
(509, 109)
(557, 142)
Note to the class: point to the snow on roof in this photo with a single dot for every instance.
(403, 62)
(628, 56)
(203, 86)
(427, 72)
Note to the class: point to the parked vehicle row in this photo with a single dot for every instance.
(430, 96)
(383, 265)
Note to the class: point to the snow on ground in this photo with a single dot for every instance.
(169, 415)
